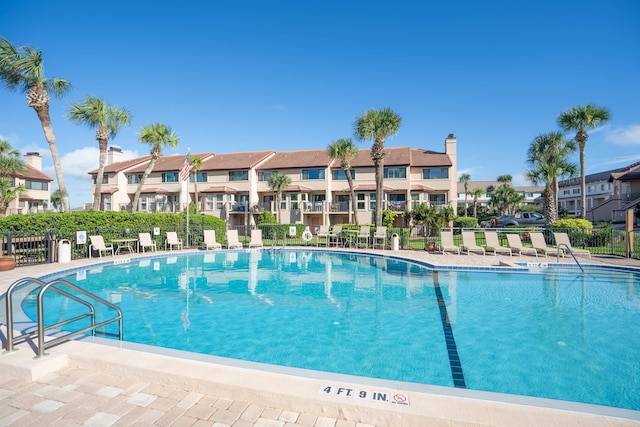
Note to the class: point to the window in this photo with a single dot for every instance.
(200, 177)
(576, 191)
(528, 195)
(437, 199)
(435, 173)
(395, 173)
(601, 187)
(360, 197)
(107, 202)
(143, 203)
(134, 179)
(105, 179)
(339, 175)
(264, 176)
(313, 174)
(294, 201)
(170, 177)
(238, 175)
(566, 192)
(36, 185)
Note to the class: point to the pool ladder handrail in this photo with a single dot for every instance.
(40, 332)
(568, 249)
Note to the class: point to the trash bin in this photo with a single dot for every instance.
(64, 251)
(395, 244)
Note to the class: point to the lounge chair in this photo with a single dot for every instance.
(516, 244)
(493, 244)
(232, 240)
(334, 235)
(256, 239)
(145, 241)
(363, 236)
(172, 240)
(446, 242)
(323, 233)
(469, 243)
(380, 235)
(562, 240)
(97, 243)
(539, 244)
(210, 240)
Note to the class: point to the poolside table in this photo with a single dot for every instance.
(124, 244)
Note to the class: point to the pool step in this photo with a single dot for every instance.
(23, 363)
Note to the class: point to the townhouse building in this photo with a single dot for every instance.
(37, 197)
(531, 193)
(234, 186)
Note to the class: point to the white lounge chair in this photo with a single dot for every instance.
(493, 244)
(446, 242)
(334, 235)
(380, 235)
(256, 239)
(323, 233)
(97, 243)
(172, 240)
(562, 240)
(540, 245)
(232, 240)
(469, 243)
(363, 236)
(210, 240)
(145, 241)
(516, 244)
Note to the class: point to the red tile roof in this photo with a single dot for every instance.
(297, 159)
(33, 174)
(236, 161)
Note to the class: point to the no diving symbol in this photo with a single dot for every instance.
(400, 399)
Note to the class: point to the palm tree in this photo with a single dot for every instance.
(476, 192)
(465, 177)
(22, 68)
(505, 179)
(8, 193)
(579, 119)
(377, 126)
(345, 151)
(548, 158)
(10, 161)
(157, 136)
(108, 119)
(55, 199)
(278, 182)
(196, 164)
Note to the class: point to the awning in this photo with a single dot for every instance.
(297, 189)
(221, 189)
(420, 187)
(108, 190)
(157, 190)
(369, 187)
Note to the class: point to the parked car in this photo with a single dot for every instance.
(527, 219)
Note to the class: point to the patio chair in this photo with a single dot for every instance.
(323, 233)
(145, 241)
(210, 240)
(363, 236)
(232, 240)
(380, 235)
(516, 244)
(334, 235)
(562, 240)
(256, 239)
(172, 240)
(97, 243)
(493, 244)
(469, 243)
(447, 245)
(539, 244)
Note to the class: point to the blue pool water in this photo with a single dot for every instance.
(551, 333)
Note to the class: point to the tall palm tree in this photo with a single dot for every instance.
(505, 179)
(55, 199)
(548, 157)
(476, 193)
(10, 161)
(22, 69)
(278, 182)
(196, 165)
(579, 119)
(94, 112)
(345, 151)
(465, 177)
(158, 136)
(377, 126)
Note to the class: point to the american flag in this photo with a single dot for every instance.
(185, 170)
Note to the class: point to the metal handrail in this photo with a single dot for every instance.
(42, 346)
(571, 252)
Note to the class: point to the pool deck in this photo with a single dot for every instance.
(92, 384)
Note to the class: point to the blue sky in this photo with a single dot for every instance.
(290, 75)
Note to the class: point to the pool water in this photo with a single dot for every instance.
(551, 333)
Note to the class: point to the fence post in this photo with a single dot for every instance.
(50, 248)
(9, 251)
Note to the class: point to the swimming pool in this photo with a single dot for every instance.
(550, 333)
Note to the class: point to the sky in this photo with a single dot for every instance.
(234, 76)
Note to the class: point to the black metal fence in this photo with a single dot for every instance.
(30, 248)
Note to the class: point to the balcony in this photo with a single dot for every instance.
(312, 207)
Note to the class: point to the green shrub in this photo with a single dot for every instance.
(572, 223)
(266, 217)
(465, 222)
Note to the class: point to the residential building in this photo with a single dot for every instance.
(235, 187)
(37, 198)
(531, 194)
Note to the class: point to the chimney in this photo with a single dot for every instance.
(34, 160)
(114, 155)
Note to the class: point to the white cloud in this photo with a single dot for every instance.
(12, 139)
(629, 135)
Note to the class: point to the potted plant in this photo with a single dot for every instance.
(430, 244)
(7, 262)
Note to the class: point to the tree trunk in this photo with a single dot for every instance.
(147, 171)
(377, 155)
(97, 195)
(583, 183)
(353, 195)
